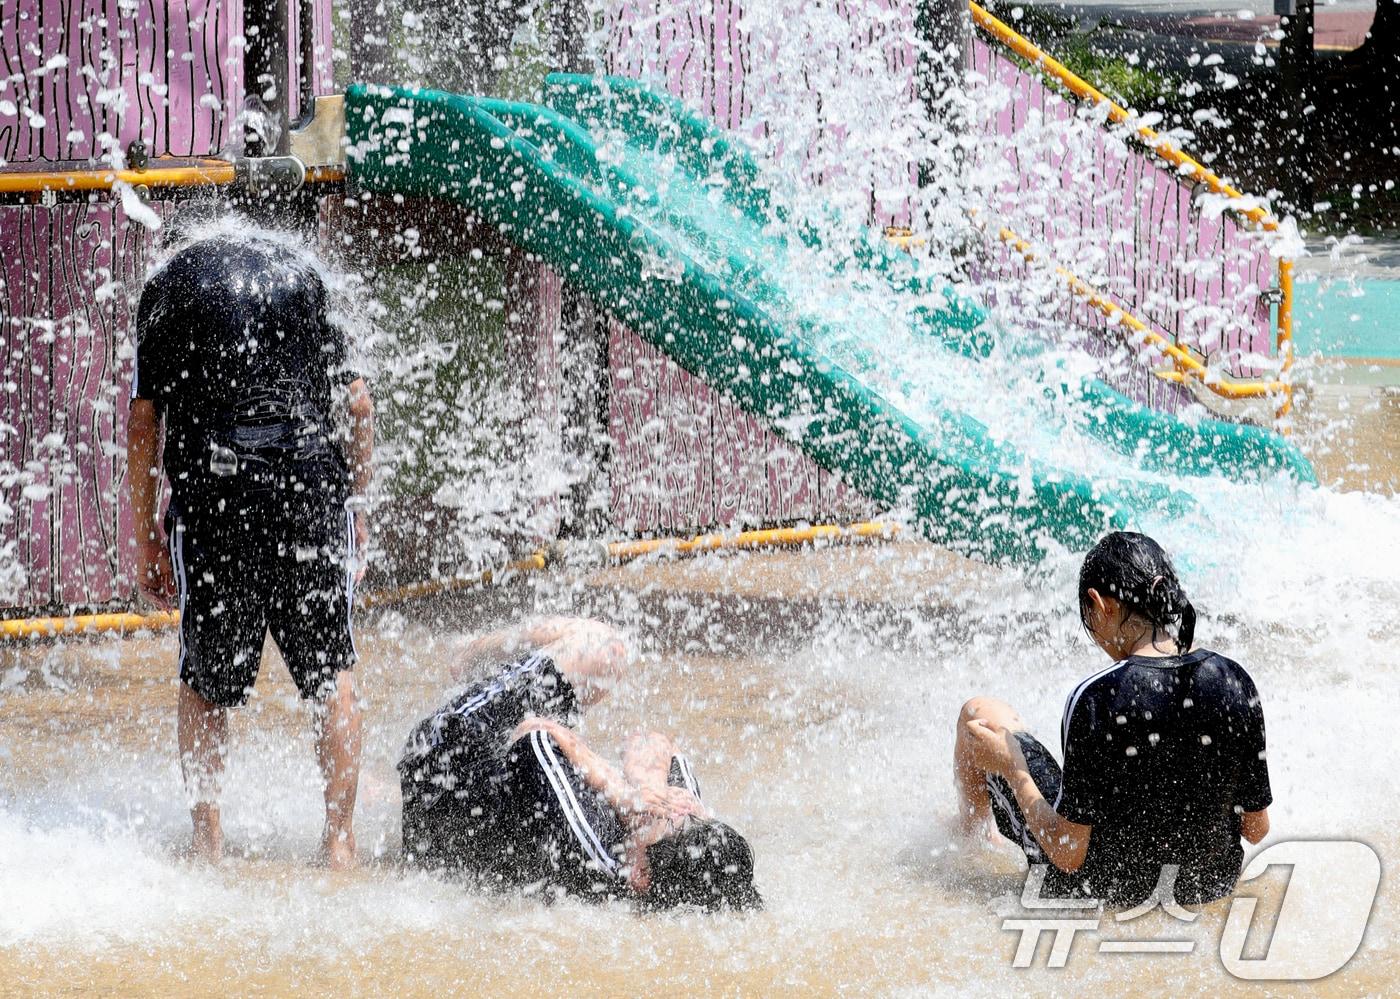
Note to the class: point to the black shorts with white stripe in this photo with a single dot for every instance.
(559, 834)
(564, 835)
(680, 775)
(512, 814)
(1011, 823)
(523, 819)
(452, 769)
(236, 584)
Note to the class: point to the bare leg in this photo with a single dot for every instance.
(974, 805)
(646, 759)
(203, 739)
(337, 727)
(591, 654)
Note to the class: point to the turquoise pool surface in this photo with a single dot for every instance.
(1349, 319)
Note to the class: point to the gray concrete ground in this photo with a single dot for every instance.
(1354, 256)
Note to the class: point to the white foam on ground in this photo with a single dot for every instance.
(835, 761)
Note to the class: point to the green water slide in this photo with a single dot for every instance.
(666, 222)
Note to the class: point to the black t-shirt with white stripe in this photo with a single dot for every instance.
(1161, 758)
(236, 348)
(513, 814)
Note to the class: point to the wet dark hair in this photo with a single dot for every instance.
(1135, 571)
(706, 864)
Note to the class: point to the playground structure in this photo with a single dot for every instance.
(672, 436)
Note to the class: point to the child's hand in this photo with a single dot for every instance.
(674, 803)
(994, 748)
(651, 814)
(154, 573)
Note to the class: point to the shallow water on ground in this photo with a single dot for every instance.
(830, 750)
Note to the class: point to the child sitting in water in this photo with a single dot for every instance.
(1163, 750)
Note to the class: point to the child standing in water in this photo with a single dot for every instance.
(1164, 750)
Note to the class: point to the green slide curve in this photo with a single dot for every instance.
(665, 221)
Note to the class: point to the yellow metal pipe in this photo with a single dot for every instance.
(621, 551)
(778, 537)
(202, 174)
(86, 624)
(1184, 364)
(1285, 334)
(325, 174)
(192, 175)
(1028, 50)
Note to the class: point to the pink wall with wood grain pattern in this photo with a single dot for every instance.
(79, 81)
(83, 78)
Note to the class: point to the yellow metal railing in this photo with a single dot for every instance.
(1184, 364)
(617, 552)
(203, 173)
(1186, 166)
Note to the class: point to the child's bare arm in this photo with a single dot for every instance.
(577, 645)
(492, 647)
(646, 759)
(636, 805)
(591, 654)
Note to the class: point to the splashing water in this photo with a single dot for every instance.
(815, 691)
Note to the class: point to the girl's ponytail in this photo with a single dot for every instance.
(1186, 630)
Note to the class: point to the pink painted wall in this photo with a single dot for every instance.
(66, 368)
(82, 79)
(1117, 217)
(736, 63)
(685, 458)
(1104, 207)
(85, 76)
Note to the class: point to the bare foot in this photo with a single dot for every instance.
(977, 832)
(338, 851)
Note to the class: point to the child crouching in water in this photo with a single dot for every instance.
(1164, 750)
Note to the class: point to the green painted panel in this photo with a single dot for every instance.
(663, 221)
